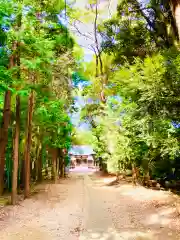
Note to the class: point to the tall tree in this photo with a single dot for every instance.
(16, 152)
(5, 122)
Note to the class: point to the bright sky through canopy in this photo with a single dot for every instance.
(107, 8)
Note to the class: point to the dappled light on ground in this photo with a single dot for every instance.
(141, 193)
(112, 234)
(51, 215)
(161, 217)
(88, 207)
(109, 180)
(137, 192)
(135, 207)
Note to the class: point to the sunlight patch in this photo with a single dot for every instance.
(141, 193)
(111, 233)
(108, 180)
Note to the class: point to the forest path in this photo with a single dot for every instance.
(53, 214)
(128, 212)
(83, 207)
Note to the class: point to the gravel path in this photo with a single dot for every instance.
(84, 208)
(136, 213)
(53, 214)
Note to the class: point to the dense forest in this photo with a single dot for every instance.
(37, 55)
(131, 89)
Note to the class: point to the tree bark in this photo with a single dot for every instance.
(146, 178)
(22, 175)
(5, 124)
(4, 136)
(175, 6)
(135, 173)
(17, 127)
(98, 56)
(61, 164)
(54, 163)
(57, 163)
(16, 152)
(28, 146)
(39, 165)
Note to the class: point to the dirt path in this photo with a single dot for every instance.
(85, 208)
(131, 213)
(53, 214)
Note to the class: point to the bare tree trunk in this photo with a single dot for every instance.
(57, 163)
(96, 39)
(64, 168)
(99, 62)
(5, 124)
(4, 136)
(16, 152)
(39, 166)
(135, 173)
(146, 178)
(38, 163)
(61, 167)
(28, 146)
(54, 163)
(61, 163)
(17, 128)
(22, 175)
(175, 6)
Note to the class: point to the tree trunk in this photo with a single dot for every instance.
(22, 175)
(99, 63)
(5, 124)
(61, 163)
(135, 173)
(61, 167)
(28, 146)
(17, 127)
(57, 164)
(54, 163)
(146, 178)
(4, 136)
(38, 160)
(175, 6)
(16, 152)
(39, 164)
(60, 159)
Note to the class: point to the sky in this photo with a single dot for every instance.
(76, 116)
(81, 150)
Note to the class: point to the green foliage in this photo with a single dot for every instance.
(37, 57)
(139, 29)
(139, 123)
(139, 129)
(52, 115)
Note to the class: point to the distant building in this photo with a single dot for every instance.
(82, 155)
